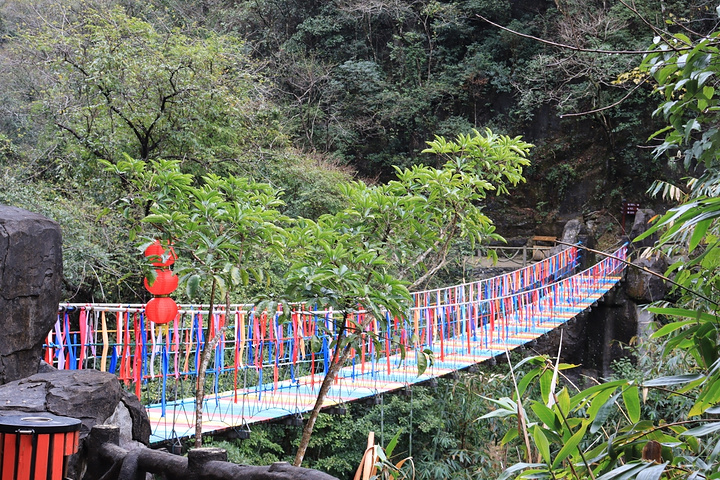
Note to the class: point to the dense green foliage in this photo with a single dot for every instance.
(370, 81)
(605, 431)
(215, 121)
(301, 94)
(437, 425)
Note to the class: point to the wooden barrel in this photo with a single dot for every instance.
(35, 446)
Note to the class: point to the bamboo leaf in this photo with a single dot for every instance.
(526, 379)
(542, 443)
(682, 312)
(570, 446)
(602, 413)
(563, 400)
(673, 380)
(393, 443)
(625, 471)
(671, 327)
(698, 234)
(518, 467)
(702, 430)
(546, 415)
(545, 386)
(632, 403)
(510, 435)
(588, 392)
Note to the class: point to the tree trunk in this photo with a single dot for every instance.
(337, 363)
(204, 360)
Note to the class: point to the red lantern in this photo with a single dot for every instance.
(161, 310)
(156, 252)
(165, 283)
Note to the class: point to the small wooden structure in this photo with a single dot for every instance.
(540, 246)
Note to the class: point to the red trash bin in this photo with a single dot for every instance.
(35, 446)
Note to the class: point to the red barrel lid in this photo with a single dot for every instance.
(38, 422)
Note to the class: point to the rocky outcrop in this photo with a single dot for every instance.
(611, 326)
(641, 285)
(576, 231)
(30, 281)
(88, 395)
(93, 397)
(640, 225)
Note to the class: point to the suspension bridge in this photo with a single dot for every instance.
(269, 365)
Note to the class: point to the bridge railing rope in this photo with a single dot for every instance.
(262, 351)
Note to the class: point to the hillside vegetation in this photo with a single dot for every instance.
(240, 129)
(306, 94)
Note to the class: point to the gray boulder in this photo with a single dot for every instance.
(577, 231)
(94, 398)
(30, 281)
(644, 287)
(640, 225)
(88, 395)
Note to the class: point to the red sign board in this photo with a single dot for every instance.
(630, 208)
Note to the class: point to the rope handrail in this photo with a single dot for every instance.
(566, 259)
(291, 353)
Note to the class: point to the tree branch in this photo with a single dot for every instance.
(580, 49)
(607, 107)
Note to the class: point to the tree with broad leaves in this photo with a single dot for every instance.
(396, 235)
(217, 225)
(113, 84)
(362, 258)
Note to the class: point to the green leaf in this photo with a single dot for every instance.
(652, 473)
(546, 415)
(603, 413)
(570, 446)
(673, 380)
(235, 275)
(421, 361)
(702, 430)
(499, 412)
(545, 384)
(518, 467)
(542, 443)
(632, 403)
(510, 435)
(625, 471)
(193, 286)
(563, 400)
(526, 379)
(671, 327)
(699, 233)
(588, 392)
(154, 218)
(707, 349)
(393, 443)
(315, 344)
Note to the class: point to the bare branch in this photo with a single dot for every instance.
(579, 49)
(607, 107)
